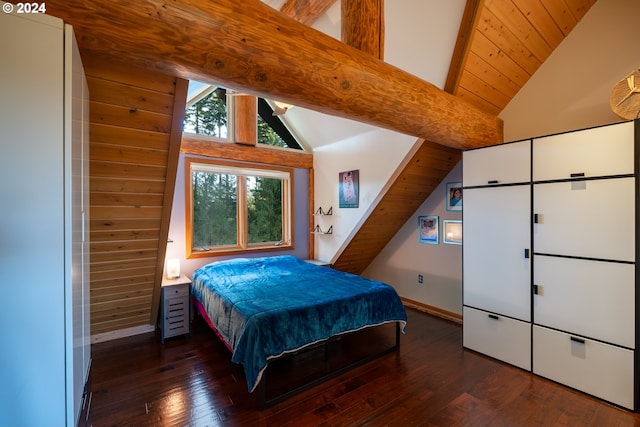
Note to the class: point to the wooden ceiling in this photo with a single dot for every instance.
(502, 43)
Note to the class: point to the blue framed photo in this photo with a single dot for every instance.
(452, 231)
(454, 196)
(428, 229)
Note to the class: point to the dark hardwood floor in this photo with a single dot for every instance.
(431, 381)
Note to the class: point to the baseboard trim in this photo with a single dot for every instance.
(122, 333)
(436, 311)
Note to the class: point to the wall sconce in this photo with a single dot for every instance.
(173, 268)
(281, 108)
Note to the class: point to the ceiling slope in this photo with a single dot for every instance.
(417, 179)
(502, 43)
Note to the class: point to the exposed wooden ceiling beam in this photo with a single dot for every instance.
(306, 11)
(250, 47)
(363, 25)
(463, 42)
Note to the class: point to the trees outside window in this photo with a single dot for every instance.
(208, 113)
(235, 207)
(208, 116)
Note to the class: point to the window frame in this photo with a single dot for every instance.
(264, 111)
(240, 169)
(229, 105)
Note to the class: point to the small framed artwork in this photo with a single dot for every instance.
(348, 188)
(454, 196)
(428, 230)
(452, 232)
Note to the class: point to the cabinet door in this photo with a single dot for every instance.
(176, 316)
(499, 164)
(497, 231)
(590, 298)
(32, 222)
(601, 151)
(592, 219)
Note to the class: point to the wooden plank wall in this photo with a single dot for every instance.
(131, 120)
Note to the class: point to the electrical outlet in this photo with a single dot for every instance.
(420, 278)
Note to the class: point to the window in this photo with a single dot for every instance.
(237, 207)
(209, 112)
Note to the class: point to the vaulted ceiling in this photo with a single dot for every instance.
(483, 51)
(480, 52)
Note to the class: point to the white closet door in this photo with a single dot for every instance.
(592, 219)
(497, 232)
(499, 164)
(601, 151)
(78, 337)
(32, 221)
(590, 298)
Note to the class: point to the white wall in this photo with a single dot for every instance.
(404, 258)
(376, 155)
(571, 89)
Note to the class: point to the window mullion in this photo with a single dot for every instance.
(243, 235)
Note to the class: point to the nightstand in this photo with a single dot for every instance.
(175, 307)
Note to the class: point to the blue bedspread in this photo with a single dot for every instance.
(264, 307)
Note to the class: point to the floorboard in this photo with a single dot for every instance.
(431, 381)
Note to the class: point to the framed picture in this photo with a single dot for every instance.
(454, 196)
(428, 230)
(348, 189)
(452, 232)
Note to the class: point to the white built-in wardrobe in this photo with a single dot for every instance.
(550, 251)
(44, 247)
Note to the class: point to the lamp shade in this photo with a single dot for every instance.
(173, 268)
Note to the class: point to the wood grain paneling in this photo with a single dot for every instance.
(505, 45)
(246, 119)
(131, 121)
(200, 146)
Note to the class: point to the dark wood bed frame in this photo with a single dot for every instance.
(265, 402)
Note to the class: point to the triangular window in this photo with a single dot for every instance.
(208, 113)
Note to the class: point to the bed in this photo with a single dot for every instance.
(264, 308)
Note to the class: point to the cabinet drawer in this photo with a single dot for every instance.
(599, 369)
(573, 218)
(500, 337)
(590, 298)
(173, 291)
(601, 151)
(498, 164)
